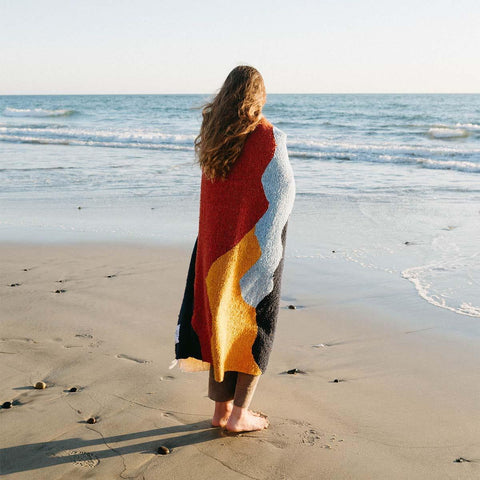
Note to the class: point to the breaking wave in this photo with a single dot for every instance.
(37, 112)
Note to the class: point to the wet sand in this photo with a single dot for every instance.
(372, 398)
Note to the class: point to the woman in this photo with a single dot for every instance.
(229, 310)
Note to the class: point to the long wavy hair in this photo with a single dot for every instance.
(228, 119)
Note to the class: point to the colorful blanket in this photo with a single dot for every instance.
(231, 298)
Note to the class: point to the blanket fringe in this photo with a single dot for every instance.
(191, 364)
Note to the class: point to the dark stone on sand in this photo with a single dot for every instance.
(73, 389)
(333, 251)
(40, 385)
(111, 276)
(292, 307)
(294, 371)
(408, 243)
(461, 460)
(79, 208)
(92, 420)
(163, 450)
(7, 405)
(60, 290)
(15, 284)
(336, 380)
(25, 269)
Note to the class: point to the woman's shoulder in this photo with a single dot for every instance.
(266, 129)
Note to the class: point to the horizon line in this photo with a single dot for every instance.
(213, 93)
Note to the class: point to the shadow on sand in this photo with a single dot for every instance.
(34, 456)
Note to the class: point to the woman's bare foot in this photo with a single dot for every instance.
(244, 420)
(222, 413)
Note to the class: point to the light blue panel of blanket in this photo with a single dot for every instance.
(279, 187)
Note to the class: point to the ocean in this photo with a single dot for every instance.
(387, 185)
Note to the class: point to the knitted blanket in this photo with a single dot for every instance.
(231, 300)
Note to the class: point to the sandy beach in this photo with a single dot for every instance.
(372, 398)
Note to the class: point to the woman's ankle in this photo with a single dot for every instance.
(222, 413)
(238, 412)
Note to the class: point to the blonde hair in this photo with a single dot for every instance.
(228, 119)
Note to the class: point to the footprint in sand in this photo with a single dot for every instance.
(133, 359)
(84, 335)
(18, 339)
(80, 458)
(311, 437)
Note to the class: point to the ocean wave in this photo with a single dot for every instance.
(35, 169)
(461, 166)
(321, 155)
(418, 276)
(469, 126)
(313, 145)
(94, 137)
(425, 162)
(448, 133)
(92, 143)
(37, 112)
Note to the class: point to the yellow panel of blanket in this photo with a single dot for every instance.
(234, 326)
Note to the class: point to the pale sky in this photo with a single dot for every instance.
(189, 46)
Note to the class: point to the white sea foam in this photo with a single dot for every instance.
(37, 112)
(469, 126)
(96, 138)
(420, 277)
(308, 145)
(446, 133)
(93, 143)
(459, 165)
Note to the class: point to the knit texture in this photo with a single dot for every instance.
(231, 300)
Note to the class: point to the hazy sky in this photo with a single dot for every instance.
(189, 46)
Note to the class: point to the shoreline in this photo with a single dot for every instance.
(403, 405)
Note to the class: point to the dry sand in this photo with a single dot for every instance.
(406, 405)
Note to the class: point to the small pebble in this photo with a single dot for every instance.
(15, 284)
(461, 460)
(60, 290)
(111, 276)
(292, 307)
(333, 251)
(293, 371)
(7, 405)
(336, 380)
(407, 243)
(73, 389)
(92, 420)
(327, 446)
(79, 208)
(40, 385)
(163, 450)
(25, 269)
